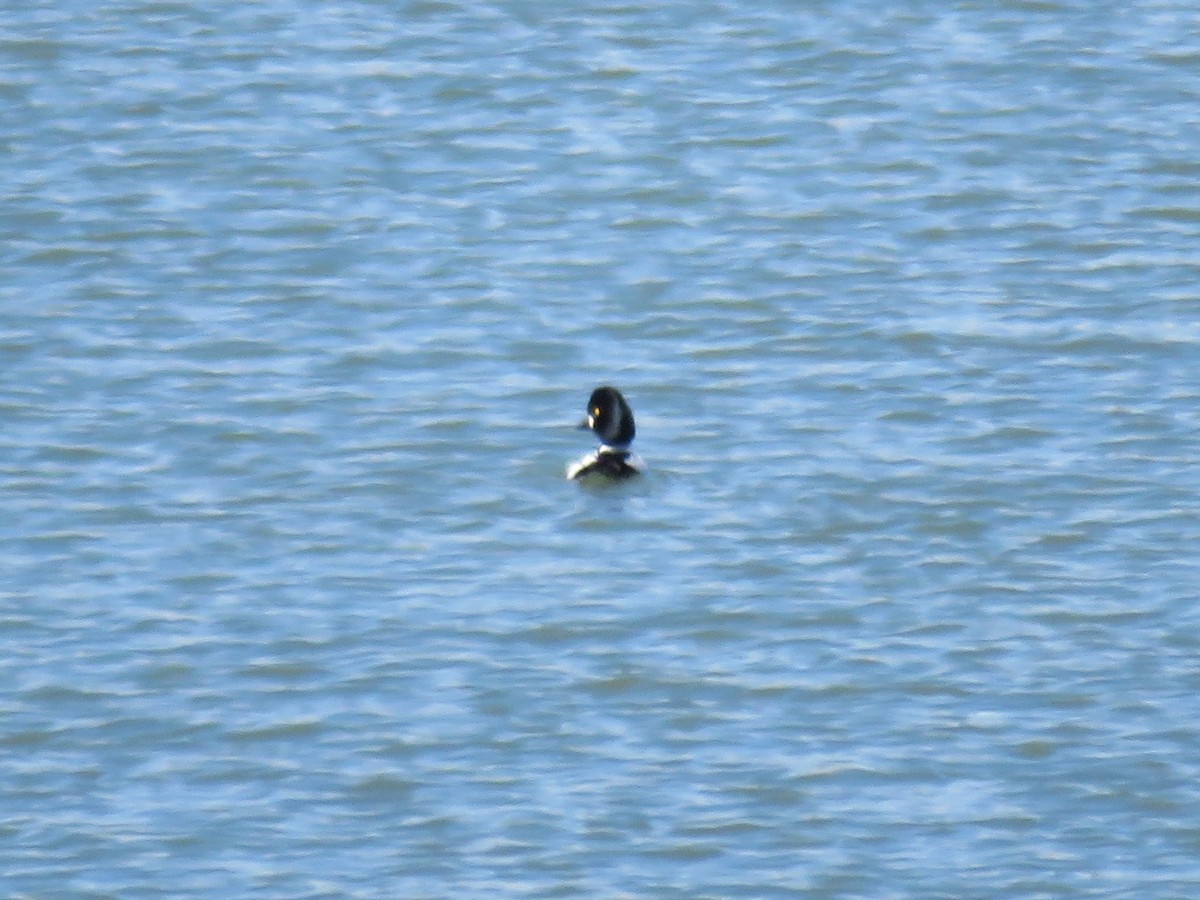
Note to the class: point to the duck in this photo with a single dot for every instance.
(610, 417)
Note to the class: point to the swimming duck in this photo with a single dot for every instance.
(609, 416)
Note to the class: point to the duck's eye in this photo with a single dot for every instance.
(595, 411)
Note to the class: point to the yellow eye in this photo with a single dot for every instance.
(595, 411)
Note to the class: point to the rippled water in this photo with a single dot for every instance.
(299, 301)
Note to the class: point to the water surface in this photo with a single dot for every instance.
(298, 307)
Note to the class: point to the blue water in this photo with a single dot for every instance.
(299, 302)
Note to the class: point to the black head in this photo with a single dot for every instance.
(610, 417)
